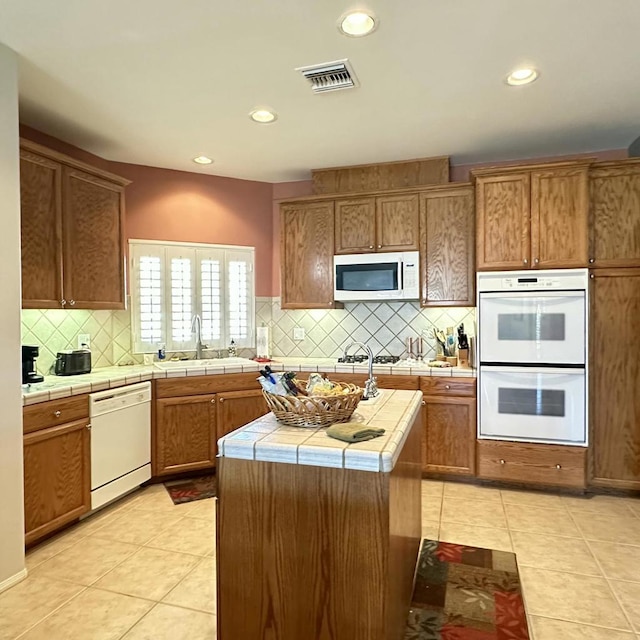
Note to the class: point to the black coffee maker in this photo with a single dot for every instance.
(29, 373)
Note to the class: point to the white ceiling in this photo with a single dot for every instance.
(158, 82)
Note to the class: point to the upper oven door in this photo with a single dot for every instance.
(533, 327)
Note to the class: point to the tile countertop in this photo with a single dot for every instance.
(266, 440)
(56, 387)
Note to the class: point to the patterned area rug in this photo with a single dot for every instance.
(191, 489)
(465, 593)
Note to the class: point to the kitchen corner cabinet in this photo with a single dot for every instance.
(57, 465)
(532, 216)
(614, 189)
(447, 246)
(234, 409)
(72, 219)
(382, 223)
(306, 253)
(614, 374)
(449, 432)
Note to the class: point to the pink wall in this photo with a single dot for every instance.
(163, 204)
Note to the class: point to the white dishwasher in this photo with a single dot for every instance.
(120, 441)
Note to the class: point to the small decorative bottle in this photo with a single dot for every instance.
(232, 349)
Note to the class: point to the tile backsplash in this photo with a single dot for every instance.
(384, 326)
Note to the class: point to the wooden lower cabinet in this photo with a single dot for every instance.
(185, 434)
(57, 477)
(536, 464)
(237, 408)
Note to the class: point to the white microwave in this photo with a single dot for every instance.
(376, 276)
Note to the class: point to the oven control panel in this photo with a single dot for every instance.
(531, 282)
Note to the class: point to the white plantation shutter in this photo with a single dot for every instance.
(174, 281)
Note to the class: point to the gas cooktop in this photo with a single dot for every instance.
(362, 358)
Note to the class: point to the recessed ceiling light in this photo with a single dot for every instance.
(525, 75)
(202, 160)
(263, 116)
(357, 23)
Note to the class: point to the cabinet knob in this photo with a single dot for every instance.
(63, 302)
(213, 400)
(525, 261)
(72, 302)
(535, 261)
(88, 427)
(446, 386)
(424, 404)
(370, 246)
(502, 461)
(592, 276)
(558, 466)
(57, 414)
(379, 246)
(221, 399)
(592, 260)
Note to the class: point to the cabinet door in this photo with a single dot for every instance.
(447, 237)
(614, 375)
(185, 434)
(306, 254)
(237, 408)
(502, 223)
(449, 443)
(57, 477)
(41, 231)
(615, 215)
(559, 217)
(397, 223)
(94, 241)
(355, 222)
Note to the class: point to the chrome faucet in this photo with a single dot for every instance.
(196, 327)
(370, 386)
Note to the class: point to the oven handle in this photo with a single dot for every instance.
(515, 369)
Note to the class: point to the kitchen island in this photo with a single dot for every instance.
(318, 539)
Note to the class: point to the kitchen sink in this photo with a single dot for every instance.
(210, 362)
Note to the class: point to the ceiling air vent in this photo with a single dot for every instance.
(330, 76)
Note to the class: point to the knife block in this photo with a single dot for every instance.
(463, 358)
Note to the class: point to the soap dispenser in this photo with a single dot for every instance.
(232, 349)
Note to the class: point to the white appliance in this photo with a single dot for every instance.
(376, 276)
(120, 441)
(532, 353)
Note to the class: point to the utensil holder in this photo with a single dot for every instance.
(452, 360)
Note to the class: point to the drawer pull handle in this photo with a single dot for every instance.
(57, 414)
(502, 461)
(558, 466)
(446, 386)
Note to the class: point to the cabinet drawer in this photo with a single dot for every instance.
(385, 381)
(54, 412)
(448, 386)
(543, 464)
(202, 385)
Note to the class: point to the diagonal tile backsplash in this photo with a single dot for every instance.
(384, 326)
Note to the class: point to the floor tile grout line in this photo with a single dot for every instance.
(585, 624)
(138, 621)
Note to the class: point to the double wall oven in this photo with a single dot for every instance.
(532, 354)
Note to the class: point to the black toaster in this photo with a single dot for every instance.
(73, 362)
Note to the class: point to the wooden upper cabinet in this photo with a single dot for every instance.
(41, 231)
(502, 222)
(559, 217)
(614, 374)
(355, 225)
(615, 214)
(306, 254)
(72, 218)
(447, 242)
(93, 232)
(397, 223)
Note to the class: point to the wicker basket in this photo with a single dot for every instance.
(314, 411)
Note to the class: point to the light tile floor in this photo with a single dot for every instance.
(144, 569)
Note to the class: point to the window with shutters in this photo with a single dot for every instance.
(172, 282)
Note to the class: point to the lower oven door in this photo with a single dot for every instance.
(532, 405)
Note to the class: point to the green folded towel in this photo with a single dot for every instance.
(353, 432)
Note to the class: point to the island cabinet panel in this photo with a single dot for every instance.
(559, 217)
(41, 231)
(614, 378)
(306, 251)
(237, 408)
(57, 477)
(200, 385)
(615, 214)
(185, 434)
(447, 246)
(397, 223)
(502, 223)
(317, 553)
(410, 383)
(355, 225)
(94, 236)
